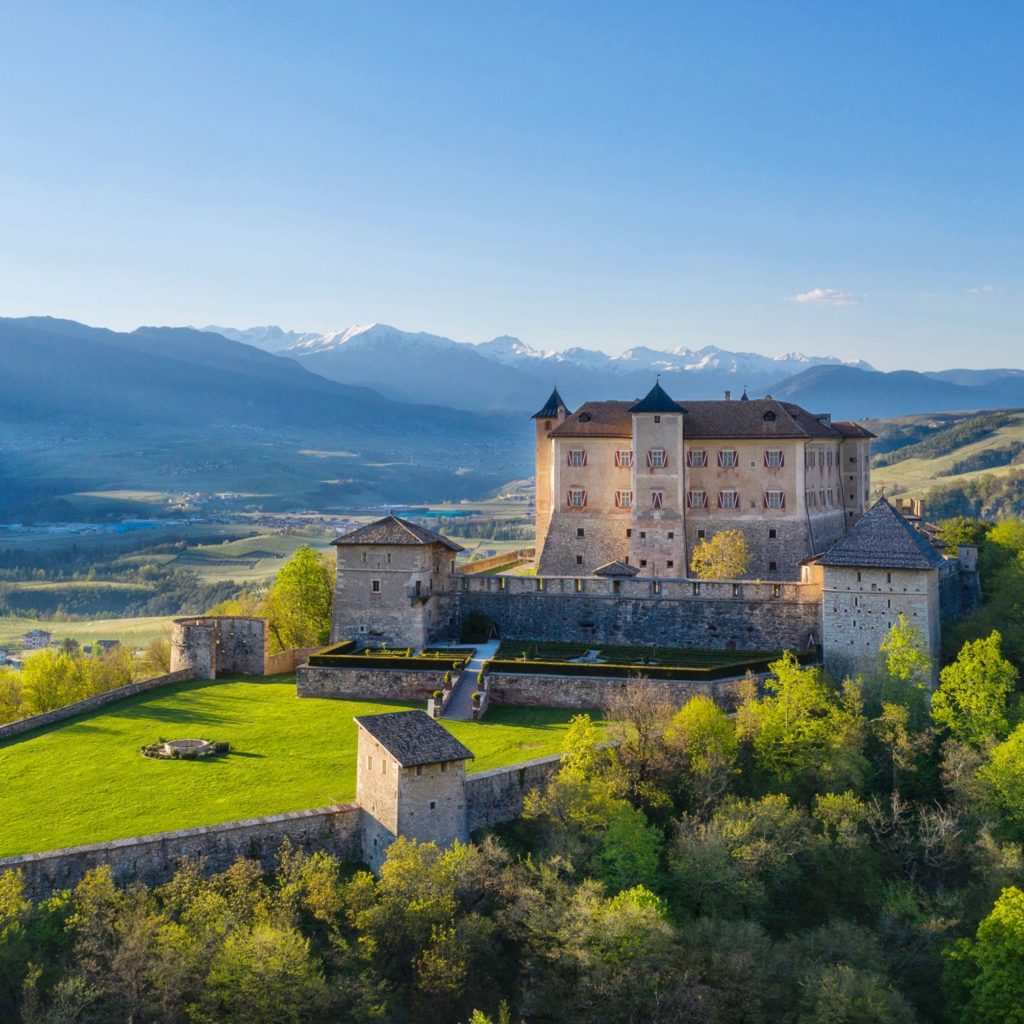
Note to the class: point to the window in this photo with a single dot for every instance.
(444, 766)
(728, 458)
(773, 458)
(577, 457)
(643, 535)
(772, 534)
(656, 586)
(383, 766)
(433, 803)
(579, 583)
(774, 499)
(364, 558)
(657, 419)
(580, 531)
(579, 559)
(696, 499)
(657, 458)
(769, 416)
(540, 582)
(629, 530)
(657, 499)
(643, 562)
(419, 769)
(701, 534)
(696, 589)
(728, 499)
(773, 566)
(577, 498)
(374, 586)
(624, 499)
(624, 459)
(389, 558)
(821, 497)
(670, 564)
(671, 535)
(821, 460)
(362, 629)
(735, 590)
(828, 459)
(697, 457)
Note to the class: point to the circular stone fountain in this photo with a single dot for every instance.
(197, 748)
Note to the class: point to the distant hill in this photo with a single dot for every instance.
(851, 393)
(961, 463)
(175, 408)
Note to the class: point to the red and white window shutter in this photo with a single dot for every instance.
(728, 458)
(577, 457)
(577, 498)
(657, 458)
(774, 499)
(696, 457)
(697, 499)
(623, 458)
(774, 458)
(623, 499)
(728, 499)
(657, 499)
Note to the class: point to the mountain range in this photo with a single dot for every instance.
(507, 374)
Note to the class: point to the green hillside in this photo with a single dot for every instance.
(969, 463)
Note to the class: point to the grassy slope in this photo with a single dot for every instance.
(915, 476)
(85, 781)
(131, 632)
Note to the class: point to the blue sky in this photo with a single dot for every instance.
(591, 174)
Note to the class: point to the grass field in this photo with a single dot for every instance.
(84, 780)
(251, 560)
(131, 632)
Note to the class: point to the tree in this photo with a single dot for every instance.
(909, 669)
(157, 659)
(971, 699)
(637, 721)
(702, 739)
(1003, 779)
(298, 606)
(986, 973)
(725, 556)
(630, 852)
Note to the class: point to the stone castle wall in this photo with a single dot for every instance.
(586, 692)
(153, 859)
(495, 797)
(365, 683)
(676, 613)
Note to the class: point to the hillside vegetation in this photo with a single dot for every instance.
(969, 463)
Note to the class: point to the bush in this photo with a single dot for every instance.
(477, 696)
(438, 694)
(480, 679)
(220, 747)
(447, 679)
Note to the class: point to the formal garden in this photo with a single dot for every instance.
(85, 781)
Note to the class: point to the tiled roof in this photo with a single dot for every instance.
(656, 400)
(392, 530)
(883, 539)
(551, 407)
(763, 418)
(616, 568)
(413, 737)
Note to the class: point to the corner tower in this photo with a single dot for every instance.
(550, 416)
(658, 538)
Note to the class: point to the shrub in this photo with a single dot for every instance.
(477, 696)
(438, 694)
(220, 747)
(447, 679)
(480, 679)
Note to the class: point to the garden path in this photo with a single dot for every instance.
(460, 704)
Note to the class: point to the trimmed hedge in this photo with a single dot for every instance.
(345, 647)
(603, 670)
(414, 664)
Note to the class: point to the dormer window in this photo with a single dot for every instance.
(769, 417)
(584, 417)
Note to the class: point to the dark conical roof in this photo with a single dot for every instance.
(551, 407)
(883, 539)
(656, 400)
(393, 530)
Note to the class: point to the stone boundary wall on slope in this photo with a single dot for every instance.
(367, 683)
(153, 859)
(587, 692)
(91, 703)
(496, 796)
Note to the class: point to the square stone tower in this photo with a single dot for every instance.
(394, 584)
(410, 781)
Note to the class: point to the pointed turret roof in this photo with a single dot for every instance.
(883, 539)
(656, 400)
(551, 407)
(393, 530)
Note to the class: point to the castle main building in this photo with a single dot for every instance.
(643, 482)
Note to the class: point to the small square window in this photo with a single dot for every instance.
(670, 564)
(580, 532)
(433, 805)
(579, 559)
(772, 534)
(643, 561)
(671, 535)
(701, 534)
(643, 534)
(657, 419)
(773, 566)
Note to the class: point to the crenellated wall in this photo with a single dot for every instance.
(208, 644)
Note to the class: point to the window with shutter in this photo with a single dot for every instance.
(728, 458)
(577, 457)
(577, 498)
(623, 499)
(728, 499)
(623, 459)
(774, 499)
(657, 458)
(657, 499)
(773, 458)
(697, 499)
(697, 457)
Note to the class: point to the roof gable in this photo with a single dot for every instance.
(393, 530)
(883, 539)
(413, 737)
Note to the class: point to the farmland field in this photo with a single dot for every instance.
(84, 780)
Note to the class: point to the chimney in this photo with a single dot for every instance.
(728, 395)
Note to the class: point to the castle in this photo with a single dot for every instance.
(642, 483)
(625, 491)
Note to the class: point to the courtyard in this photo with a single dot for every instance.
(85, 781)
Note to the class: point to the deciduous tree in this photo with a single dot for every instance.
(725, 556)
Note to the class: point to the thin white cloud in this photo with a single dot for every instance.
(826, 297)
(982, 289)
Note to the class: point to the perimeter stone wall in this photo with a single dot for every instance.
(153, 859)
(209, 644)
(495, 797)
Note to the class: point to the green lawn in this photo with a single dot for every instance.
(84, 780)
